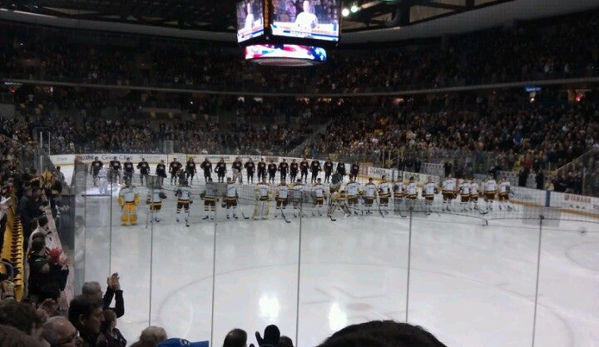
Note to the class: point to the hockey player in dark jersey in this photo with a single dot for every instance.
(221, 170)
(144, 170)
(314, 168)
(262, 171)
(283, 168)
(95, 169)
(250, 167)
(206, 165)
(190, 170)
(128, 169)
(173, 169)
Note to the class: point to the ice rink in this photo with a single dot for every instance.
(470, 285)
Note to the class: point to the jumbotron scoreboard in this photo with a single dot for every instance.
(286, 32)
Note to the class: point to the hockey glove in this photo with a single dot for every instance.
(271, 337)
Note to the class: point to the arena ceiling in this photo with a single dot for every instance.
(377, 20)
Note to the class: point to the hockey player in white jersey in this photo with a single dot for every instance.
(209, 194)
(384, 194)
(297, 191)
(262, 200)
(428, 192)
(490, 187)
(449, 187)
(465, 189)
(474, 192)
(103, 180)
(504, 194)
(183, 194)
(230, 198)
(353, 190)
(411, 193)
(398, 194)
(128, 200)
(369, 195)
(281, 198)
(154, 201)
(318, 195)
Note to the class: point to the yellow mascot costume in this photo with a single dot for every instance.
(128, 200)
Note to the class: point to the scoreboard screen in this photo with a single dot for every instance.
(250, 19)
(306, 19)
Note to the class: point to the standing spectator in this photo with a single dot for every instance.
(523, 177)
(113, 291)
(110, 336)
(29, 209)
(448, 166)
(47, 277)
(22, 317)
(540, 179)
(85, 313)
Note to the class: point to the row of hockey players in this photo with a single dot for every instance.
(117, 173)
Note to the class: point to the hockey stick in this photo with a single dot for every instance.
(240, 209)
(379, 207)
(284, 217)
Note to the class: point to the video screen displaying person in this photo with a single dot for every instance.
(315, 19)
(250, 21)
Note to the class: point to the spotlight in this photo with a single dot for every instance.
(345, 12)
(354, 8)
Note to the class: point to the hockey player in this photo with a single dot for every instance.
(411, 193)
(262, 200)
(173, 169)
(328, 170)
(128, 170)
(103, 180)
(210, 198)
(190, 170)
(128, 200)
(206, 165)
(115, 171)
(338, 200)
(283, 169)
(490, 189)
(262, 171)
(237, 168)
(315, 169)
(465, 189)
(354, 170)
(352, 189)
(230, 197)
(161, 172)
(474, 192)
(428, 192)
(318, 193)
(96, 166)
(221, 170)
(250, 168)
(293, 169)
(183, 194)
(272, 171)
(398, 191)
(297, 191)
(154, 201)
(504, 194)
(281, 197)
(384, 194)
(369, 195)
(341, 168)
(449, 187)
(304, 166)
(144, 170)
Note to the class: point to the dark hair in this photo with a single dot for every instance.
(236, 338)
(285, 341)
(109, 317)
(82, 305)
(20, 316)
(42, 221)
(389, 333)
(37, 244)
(11, 337)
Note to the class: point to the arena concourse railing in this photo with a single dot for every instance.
(312, 274)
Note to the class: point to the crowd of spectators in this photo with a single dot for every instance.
(528, 51)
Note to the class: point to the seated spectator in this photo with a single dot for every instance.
(11, 337)
(22, 317)
(236, 338)
(110, 336)
(150, 337)
(113, 290)
(285, 341)
(59, 332)
(85, 313)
